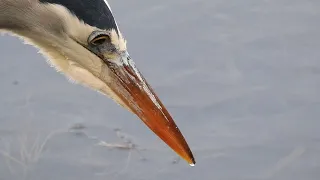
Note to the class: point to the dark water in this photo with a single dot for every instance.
(241, 79)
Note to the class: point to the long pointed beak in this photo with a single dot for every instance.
(137, 95)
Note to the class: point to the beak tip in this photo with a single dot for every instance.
(191, 161)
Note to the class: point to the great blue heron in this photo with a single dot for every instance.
(81, 39)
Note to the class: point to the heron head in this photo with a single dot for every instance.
(82, 40)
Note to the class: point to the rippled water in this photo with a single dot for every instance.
(241, 79)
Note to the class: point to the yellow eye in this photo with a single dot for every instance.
(100, 39)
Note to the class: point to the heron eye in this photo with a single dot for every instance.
(100, 39)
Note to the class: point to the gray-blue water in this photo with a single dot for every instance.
(240, 78)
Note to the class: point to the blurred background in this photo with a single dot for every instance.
(240, 78)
